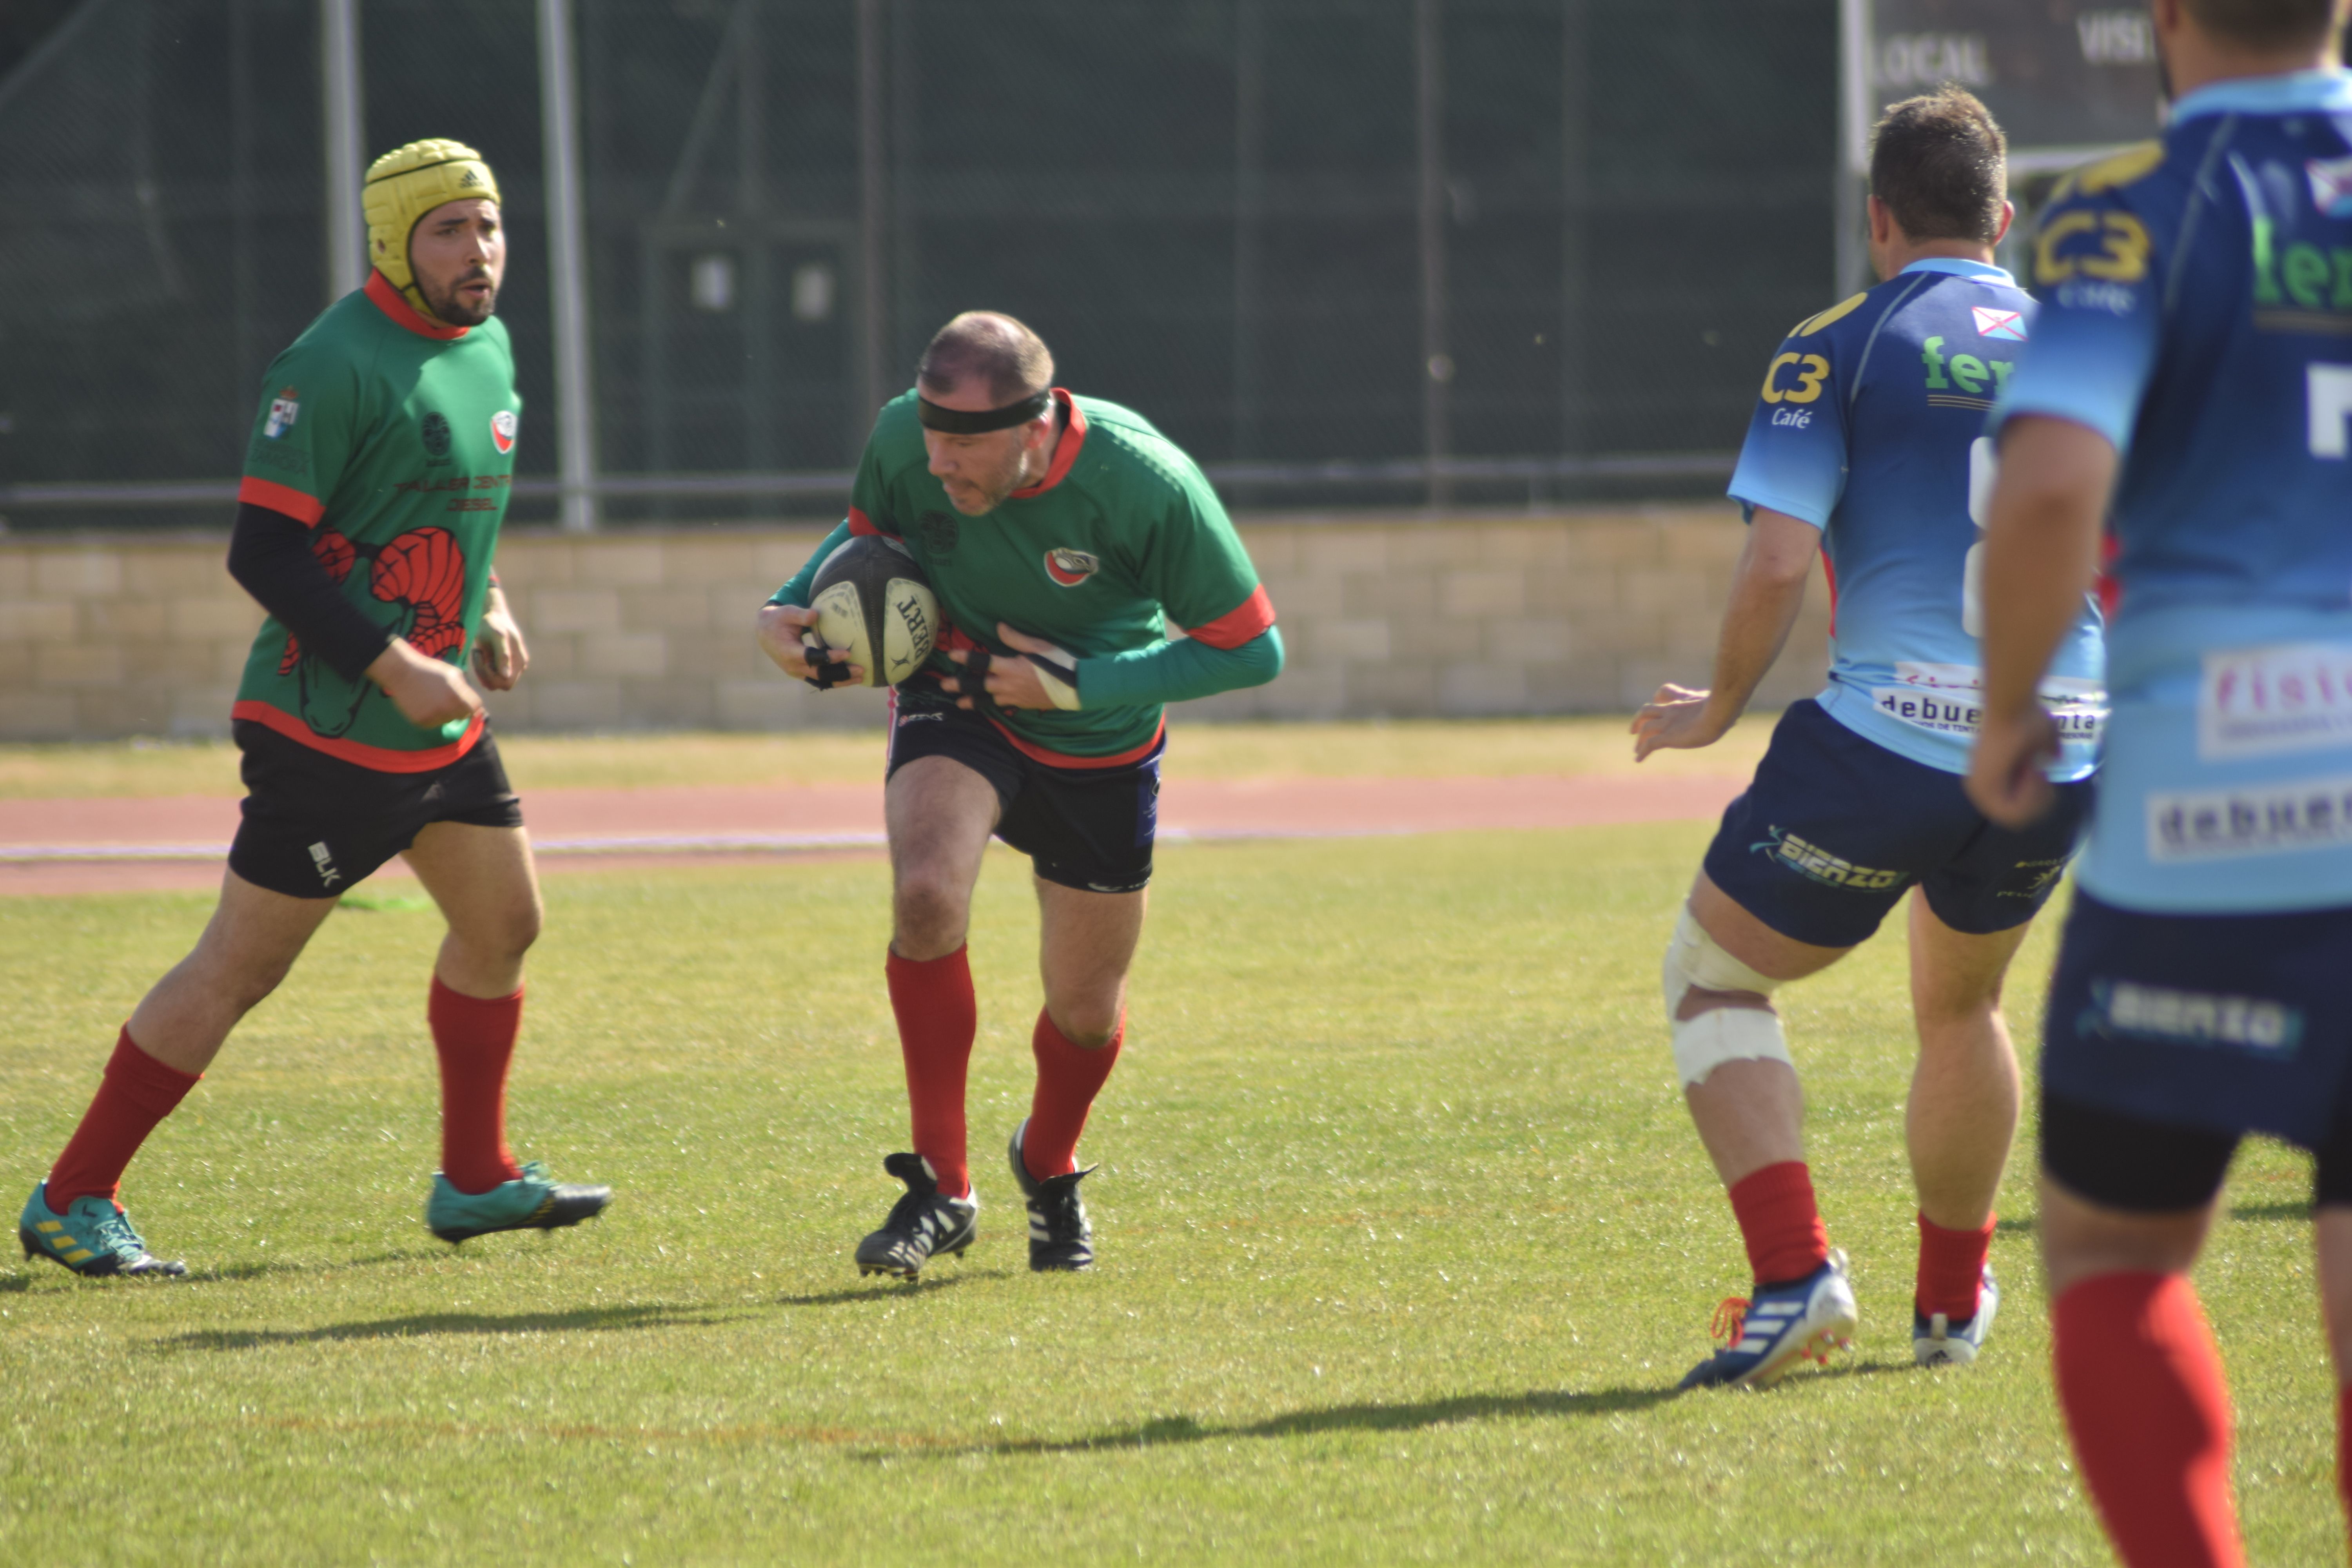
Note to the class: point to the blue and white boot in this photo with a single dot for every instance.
(1937, 1342)
(1768, 1336)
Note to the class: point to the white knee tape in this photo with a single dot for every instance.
(1723, 1034)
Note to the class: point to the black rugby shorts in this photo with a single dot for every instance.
(315, 825)
(1088, 828)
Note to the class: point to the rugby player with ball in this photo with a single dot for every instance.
(1087, 576)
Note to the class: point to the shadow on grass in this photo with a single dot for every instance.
(2026, 1227)
(656, 1315)
(1174, 1429)
(228, 1273)
(889, 1291)
(2291, 1209)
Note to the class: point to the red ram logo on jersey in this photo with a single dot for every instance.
(502, 430)
(1070, 567)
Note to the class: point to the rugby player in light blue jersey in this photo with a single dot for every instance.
(1867, 447)
(2191, 367)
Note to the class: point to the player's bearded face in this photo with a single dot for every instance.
(980, 472)
(458, 255)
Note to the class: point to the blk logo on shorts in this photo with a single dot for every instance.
(1071, 567)
(324, 858)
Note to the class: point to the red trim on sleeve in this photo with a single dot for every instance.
(859, 523)
(1245, 620)
(1065, 451)
(394, 303)
(304, 510)
(382, 759)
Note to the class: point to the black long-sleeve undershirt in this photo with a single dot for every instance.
(269, 555)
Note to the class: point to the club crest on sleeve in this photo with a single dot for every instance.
(502, 429)
(283, 408)
(1071, 567)
(2331, 185)
(2007, 325)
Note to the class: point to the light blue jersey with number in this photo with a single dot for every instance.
(1870, 427)
(2197, 313)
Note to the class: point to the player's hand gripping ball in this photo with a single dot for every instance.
(871, 598)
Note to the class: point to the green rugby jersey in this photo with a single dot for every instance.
(1122, 541)
(392, 436)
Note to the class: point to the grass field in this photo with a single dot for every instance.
(1404, 1242)
(1398, 748)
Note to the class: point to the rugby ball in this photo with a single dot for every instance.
(871, 598)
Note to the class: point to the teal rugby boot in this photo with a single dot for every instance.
(530, 1202)
(93, 1236)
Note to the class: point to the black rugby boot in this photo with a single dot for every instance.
(1061, 1237)
(924, 1225)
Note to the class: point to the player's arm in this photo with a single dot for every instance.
(1791, 476)
(1192, 561)
(1176, 670)
(2041, 556)
(500, 655)
(2062, 422)
(271, 558)
(1767, 589)
(786, 624)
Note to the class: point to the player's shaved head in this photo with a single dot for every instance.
(993, 352)
(1941, 166)
(2268, 24)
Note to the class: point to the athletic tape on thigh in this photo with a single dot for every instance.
(1721, 1034)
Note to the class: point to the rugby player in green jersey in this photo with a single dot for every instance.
(1088, 576)
(375, 478)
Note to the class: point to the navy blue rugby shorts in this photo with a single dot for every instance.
(2217, 1023)
(1834, 829)
(1088, 828)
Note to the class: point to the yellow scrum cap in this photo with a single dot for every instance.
(402, 186)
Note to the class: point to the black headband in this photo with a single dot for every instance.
(958, 422)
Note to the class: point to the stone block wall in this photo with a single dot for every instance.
(1397, 616)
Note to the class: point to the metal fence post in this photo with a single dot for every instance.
(873, 220)
(575, 435)
(341, 134)
(1437, 364)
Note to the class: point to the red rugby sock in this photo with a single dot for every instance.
(1951, 1269)
(937, 1017)
(1068, 1077)
(1785, 1236)
(2344, 1446)
(475, 1038)
(137, 1093)
(2148, 1408)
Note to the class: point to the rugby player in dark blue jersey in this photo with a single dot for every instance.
(2191, 370)
(1866, 446)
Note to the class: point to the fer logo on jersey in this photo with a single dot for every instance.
(1070, 567)
(502, 430)
(2007, 325)
(283, 408)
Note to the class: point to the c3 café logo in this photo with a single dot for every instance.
(1070, 567)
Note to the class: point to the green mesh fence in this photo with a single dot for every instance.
(1252, 219)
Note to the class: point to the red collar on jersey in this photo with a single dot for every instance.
(394, 303)
(1065, 451)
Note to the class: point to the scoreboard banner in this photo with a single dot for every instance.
(2066, 79)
